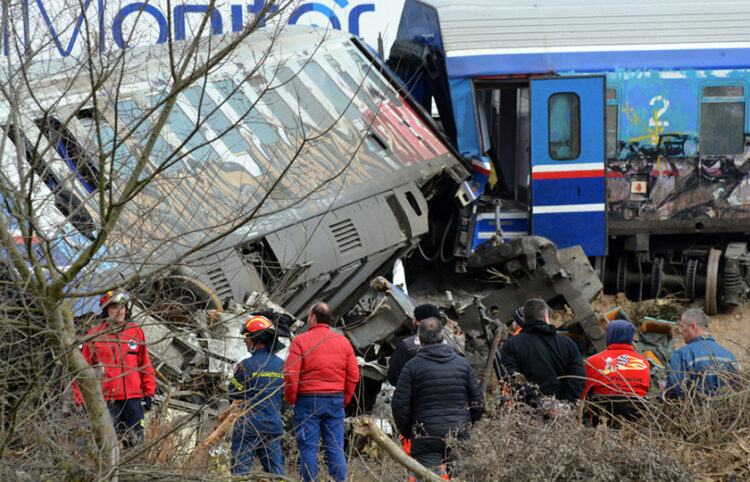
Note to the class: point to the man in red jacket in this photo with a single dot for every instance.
(617, 378)
(118, 346)
(320, 375)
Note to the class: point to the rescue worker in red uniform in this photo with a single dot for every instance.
(617, 378)
(118, 346)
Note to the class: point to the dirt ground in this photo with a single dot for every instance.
(731, 327)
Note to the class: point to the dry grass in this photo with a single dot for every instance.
(694, 439)
(697, 439)
(515, 443)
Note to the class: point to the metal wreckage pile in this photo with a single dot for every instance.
(196, 356)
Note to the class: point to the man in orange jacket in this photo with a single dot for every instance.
(617, 378)
(320, 375)
(118, 346)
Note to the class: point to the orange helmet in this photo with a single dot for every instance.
(255, 325)
(113, 296)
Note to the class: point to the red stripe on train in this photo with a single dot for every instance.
(567, 174)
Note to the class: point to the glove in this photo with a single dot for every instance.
(148, 403)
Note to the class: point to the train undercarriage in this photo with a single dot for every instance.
(715, 268)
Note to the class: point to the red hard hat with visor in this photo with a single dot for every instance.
(256, 324)
(114, 296)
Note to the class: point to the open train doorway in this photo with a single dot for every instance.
(544, 140)
(504, 124)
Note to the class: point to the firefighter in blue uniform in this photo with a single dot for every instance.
(258, 384)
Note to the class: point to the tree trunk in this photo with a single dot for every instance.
(60, 321)
(366, 426)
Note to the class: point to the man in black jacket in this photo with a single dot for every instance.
(545, 358)
(436, 394)
(409, 346)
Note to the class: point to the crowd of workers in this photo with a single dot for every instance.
(436, 392)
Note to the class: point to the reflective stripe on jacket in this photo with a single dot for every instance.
(259, 382)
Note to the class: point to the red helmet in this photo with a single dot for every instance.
(113, 296)
(256, 324)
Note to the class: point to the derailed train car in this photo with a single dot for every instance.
(622, 128)
(324, 163)
(299, 152)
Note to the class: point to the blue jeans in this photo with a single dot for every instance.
(315, 416)
(247, 444)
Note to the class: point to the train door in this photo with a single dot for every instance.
(503, 120)
(567, 162)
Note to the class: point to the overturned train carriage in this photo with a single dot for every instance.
(294, 168)
(311, 156)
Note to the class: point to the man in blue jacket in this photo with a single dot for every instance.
(697, 364)
(258, 384)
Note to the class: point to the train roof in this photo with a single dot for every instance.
(553, 35)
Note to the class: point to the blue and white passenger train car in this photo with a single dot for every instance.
(619, 126)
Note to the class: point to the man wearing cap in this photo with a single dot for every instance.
(409, 346)
(258, 385)
(118, 346)
(618, 378)
(320, 375)
(697, 364)
(516, 324)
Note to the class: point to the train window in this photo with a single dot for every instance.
(134, 118)
(276, 104)
(246, 111)
(610, 124)
(564, 126)
(219, 123)
(351, 83)
(191, 135)
(66, 145)
(340, 100)
(107, 134)
(722, 120)
(309, 103)
(723, 91)
(385, 90)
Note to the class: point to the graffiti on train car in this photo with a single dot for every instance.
(658, 167)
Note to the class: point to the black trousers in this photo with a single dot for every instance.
(127, 417)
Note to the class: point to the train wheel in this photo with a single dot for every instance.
(691, 277)
(622, 275)
(712, 281)
(177, 297)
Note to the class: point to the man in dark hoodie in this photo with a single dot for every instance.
(436, 394)
(546, 359)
